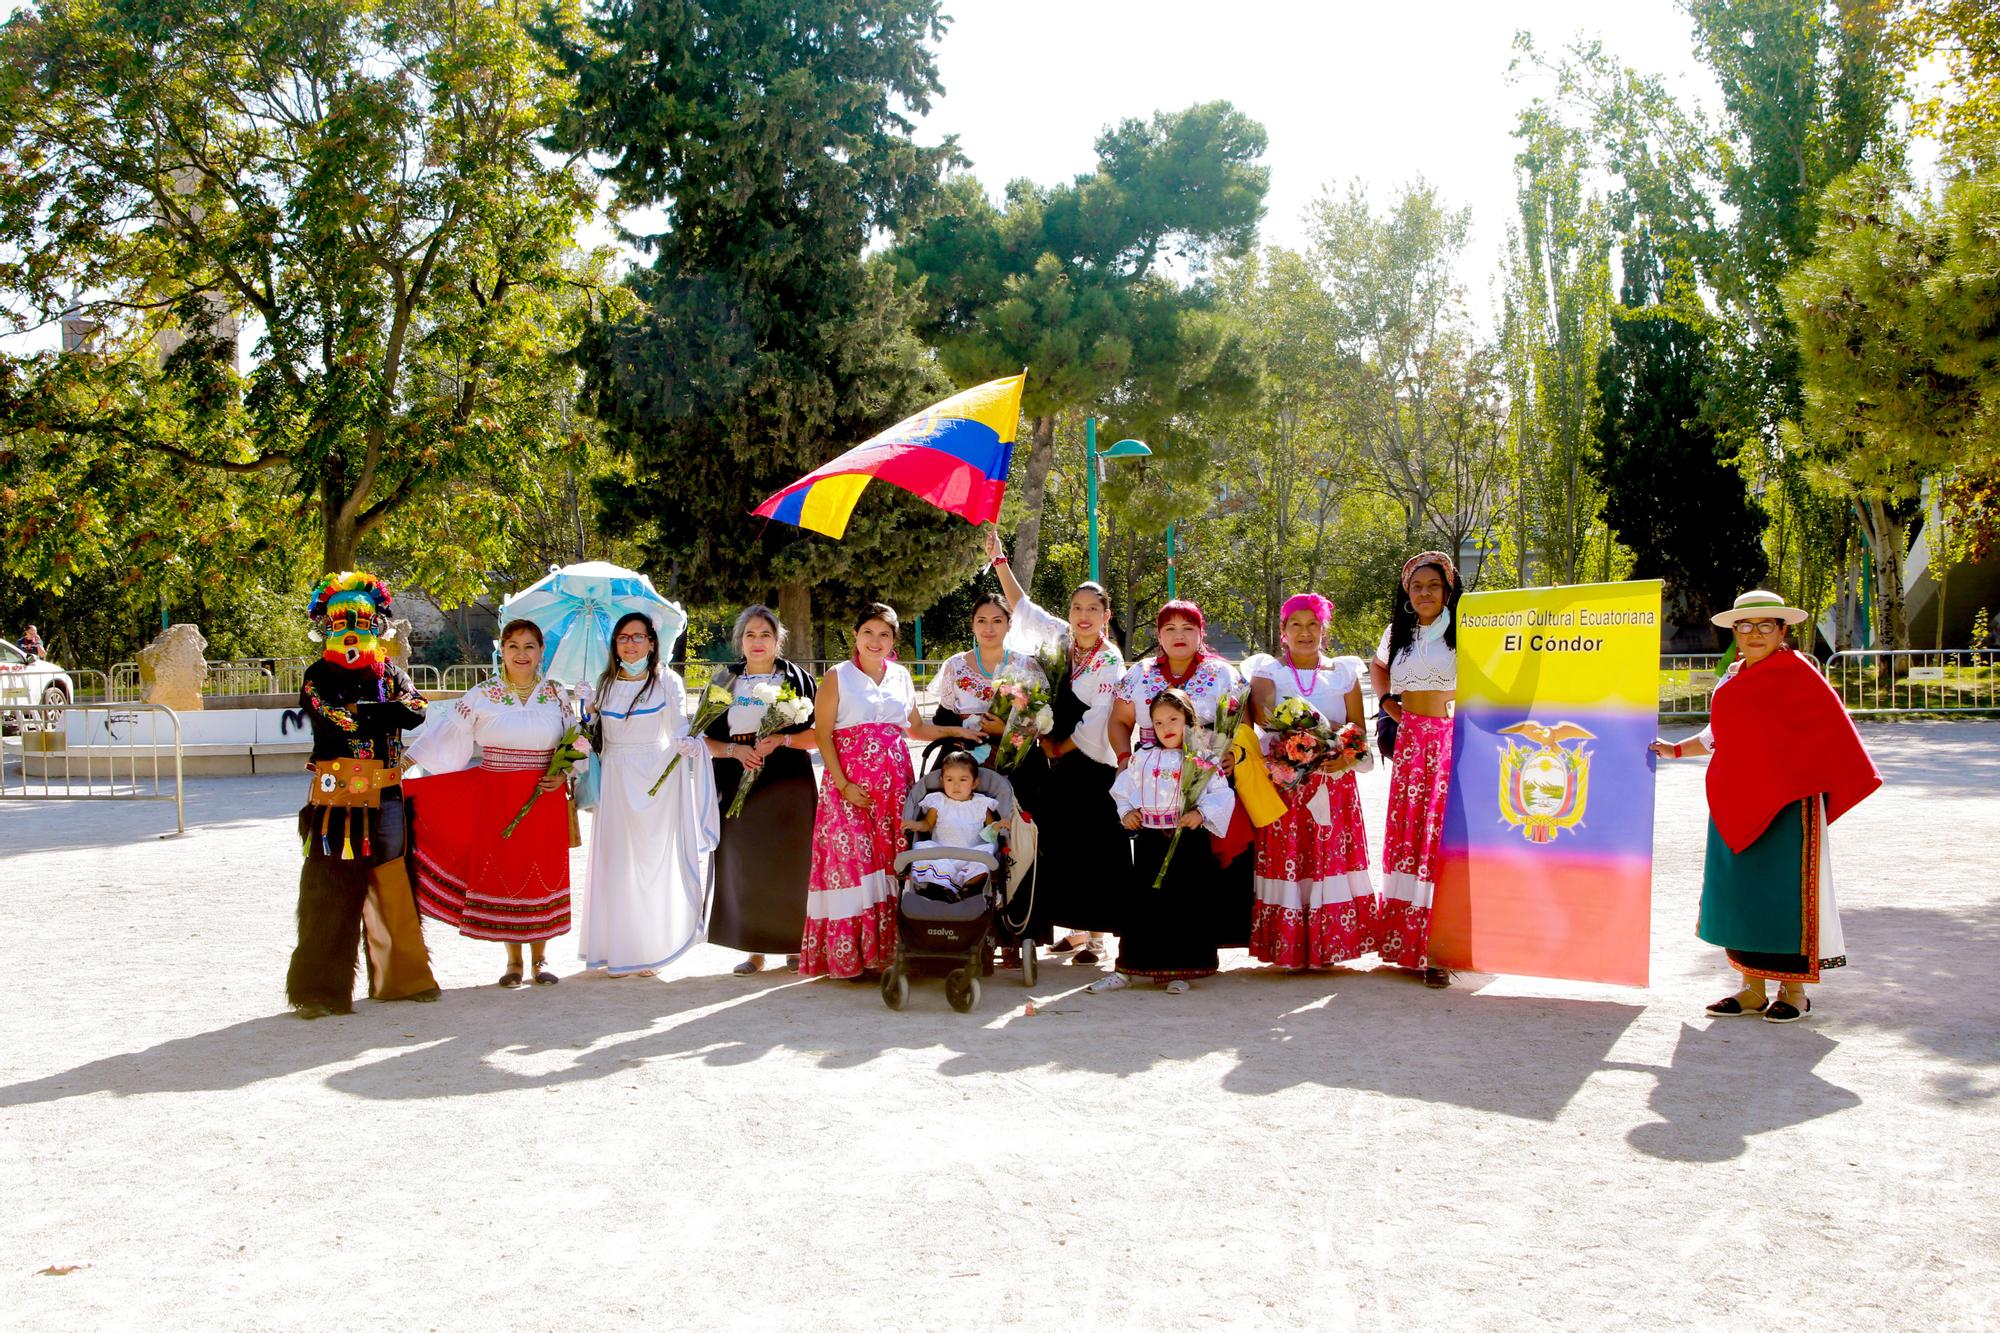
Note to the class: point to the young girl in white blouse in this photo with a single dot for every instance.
(1168, 936)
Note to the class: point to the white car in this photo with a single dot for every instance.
(31, 680)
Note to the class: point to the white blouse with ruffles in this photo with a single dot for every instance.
(1326, 688)
(1429, 663)
(1094, 680)
(1151, 784)
(490, 718)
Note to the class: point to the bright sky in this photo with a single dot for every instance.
(1379, 92)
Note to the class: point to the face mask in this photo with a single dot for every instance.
(351, 640)
(634, 669)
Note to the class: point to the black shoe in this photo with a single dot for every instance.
(1084, 957)
(1731, 1007)
(1784, 1011)
(1436, 978)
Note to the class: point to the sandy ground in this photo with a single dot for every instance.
(1331, 1151)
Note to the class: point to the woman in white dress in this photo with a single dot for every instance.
(642, 905)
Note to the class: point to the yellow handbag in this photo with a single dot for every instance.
(1260, 800)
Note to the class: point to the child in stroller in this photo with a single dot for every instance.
(953, 888)
(958, 815)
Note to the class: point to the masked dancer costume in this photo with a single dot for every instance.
(354, 883)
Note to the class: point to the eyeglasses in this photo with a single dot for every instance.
(635, 638)
(1758, 626)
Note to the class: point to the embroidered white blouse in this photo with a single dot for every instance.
(1095, 679)
(968, 691)
(864, 701)
(490, 718)
(1429, 663)
(1151, 784)
(1212, 682)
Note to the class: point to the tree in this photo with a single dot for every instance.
(1807, 91)
(1672, 492)
(764, 342)
(1068, 281)
(1896, 313)
(1415, 389)
(1556, 318)
(359, 182)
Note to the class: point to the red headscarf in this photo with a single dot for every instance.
(1781, 735)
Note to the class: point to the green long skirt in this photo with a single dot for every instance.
(1764, 904)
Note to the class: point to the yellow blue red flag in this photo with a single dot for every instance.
(954, 454)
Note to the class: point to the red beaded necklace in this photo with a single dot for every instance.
(1167, 674)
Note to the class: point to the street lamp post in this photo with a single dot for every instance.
(1091, 455)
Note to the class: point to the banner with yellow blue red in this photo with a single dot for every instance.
(1548, 838)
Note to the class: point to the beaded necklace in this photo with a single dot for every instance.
(1305, 690)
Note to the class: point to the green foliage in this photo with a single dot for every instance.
(1807, 94)
(1673, 494)
(359, 183)
(1556, 318)
(1069, 281)
(763, 341)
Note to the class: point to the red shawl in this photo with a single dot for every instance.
(1781, 735)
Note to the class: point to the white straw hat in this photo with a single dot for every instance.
(1758, 604)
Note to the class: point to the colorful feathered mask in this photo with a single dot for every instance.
(350, 613)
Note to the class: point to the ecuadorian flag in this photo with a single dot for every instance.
(954, 454)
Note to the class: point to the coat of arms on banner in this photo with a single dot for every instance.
(1543, 786)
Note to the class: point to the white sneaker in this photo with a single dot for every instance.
(1116, 981)
(1178, 986)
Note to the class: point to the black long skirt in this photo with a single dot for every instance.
(763, 863)
(1083, 858)
(1235, 896)
(1169, 932)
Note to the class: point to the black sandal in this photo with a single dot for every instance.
(1784, 1011)
(1731, 1007)
(1437, 978)
(510, 979)
(1084, 957)
(544, 977)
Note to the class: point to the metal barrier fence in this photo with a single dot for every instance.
(1917, 680)
(1687, 682)
(465, 675)
(92, 686)
(93, 752)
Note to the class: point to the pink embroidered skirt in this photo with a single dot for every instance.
(512, 889)
(851, 893)
(1412, 839)
(1315, 905)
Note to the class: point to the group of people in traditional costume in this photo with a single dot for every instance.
(807, 869)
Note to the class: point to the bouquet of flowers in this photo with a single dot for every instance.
(1303, 739)
(1201, 760)
(714, 704)
(1025, 715)
(783, 708)
(571, 750)
(1350, 745)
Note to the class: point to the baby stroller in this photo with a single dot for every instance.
(967, 931)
